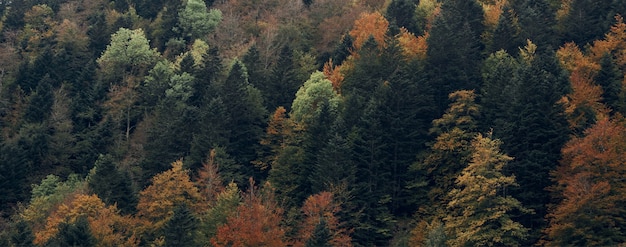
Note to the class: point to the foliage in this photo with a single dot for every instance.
(589, 189)
(479, 210)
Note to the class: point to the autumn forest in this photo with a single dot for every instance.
(312, 123)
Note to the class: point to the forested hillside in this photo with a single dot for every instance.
(312, 123)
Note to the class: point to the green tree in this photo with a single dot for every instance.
(123, 64)
(245, 115)
(610, 79)
(479, 212)
(22, 235)
(75, 234)
(321, 236)
(196, 22)
(585, 21)
(181, 228)
(506, 36)
(112, 185)
(454, 48)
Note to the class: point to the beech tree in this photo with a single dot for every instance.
(257, 222)
(196, 21)
(590, 188)
(479, 212)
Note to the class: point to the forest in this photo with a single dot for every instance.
(312, 123)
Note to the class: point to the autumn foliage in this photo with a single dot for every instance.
(257, 222)
(320, 207)
(591, 188)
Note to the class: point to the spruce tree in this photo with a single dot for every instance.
(180, 229)
(321, 236)
(76, 234)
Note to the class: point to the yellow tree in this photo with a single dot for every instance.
(479, 213)
(108, 227)
(168, 190)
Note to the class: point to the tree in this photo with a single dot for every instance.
(23, 235)
(76, 234)
(196, 22)
(168, 190)
(256, 222)
(245, 115)
(112, 185)
(454, 48)
(479, 212)
(589, 188)
(449, 153)
(320, 237)
(123, 64)
(321, 226)
(181, 228)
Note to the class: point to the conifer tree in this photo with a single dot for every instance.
(180, 229)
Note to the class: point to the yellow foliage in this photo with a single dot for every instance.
(168, 190)
(107, 226)
(370, 24)
(413, 47)
(493, 10)
(334, 75)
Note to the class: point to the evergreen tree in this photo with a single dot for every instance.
(506, 35)
(610, 79)
(321, 236)
(454, 48)
(534, 133)
(401, 13)
(479, 213)
(180, 229)
(585, 21)
(40, 102)
(283, 84)
(75, 234)
(245, 115)
(537, 21)
(112, 186)
(22, 235)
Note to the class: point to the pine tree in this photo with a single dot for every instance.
(479, 213)
(454, 48)
(76, 234)
(321, 236)
(112, 185)
(610, 79)
(180, 229)
(506, 35)
(22, 236)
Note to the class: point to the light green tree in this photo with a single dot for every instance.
(479, 210)
(195, 21)
(316, 92)
(123, 65)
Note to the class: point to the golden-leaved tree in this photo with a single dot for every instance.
(479, 213)
(169, 189)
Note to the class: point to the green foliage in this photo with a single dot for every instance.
(181, 228)
(22, 235)
(129, 51)
(75, 234)
(321, 236)
(312, 97)
(196, 22)
(112, 185)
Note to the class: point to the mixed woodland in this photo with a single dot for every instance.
(312, 123)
